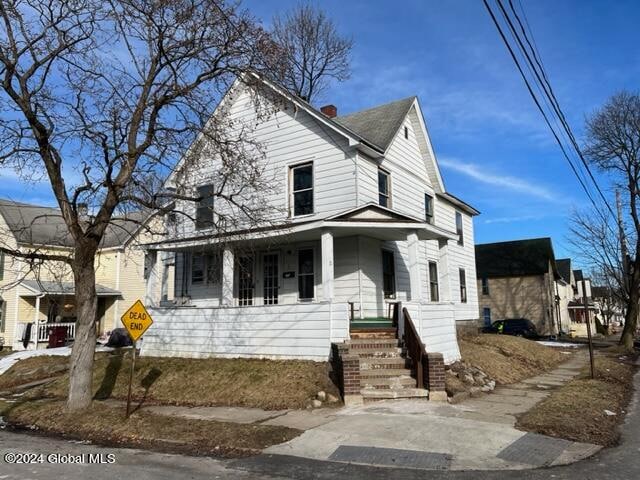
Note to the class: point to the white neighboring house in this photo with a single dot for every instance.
(365, 222)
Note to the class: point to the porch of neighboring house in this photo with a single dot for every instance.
(49, 307)
(294, 292)
(579, 318)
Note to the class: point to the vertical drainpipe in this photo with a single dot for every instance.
(37, 317)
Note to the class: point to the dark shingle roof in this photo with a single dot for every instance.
(37, 225)
(564, 269)
(578, 275)
(379, 124)
(515, 258)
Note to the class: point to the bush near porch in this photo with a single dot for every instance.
(267, 384)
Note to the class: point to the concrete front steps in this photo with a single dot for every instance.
(384, 367)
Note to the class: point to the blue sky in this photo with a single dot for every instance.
(493, 147)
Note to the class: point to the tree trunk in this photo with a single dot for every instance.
(633, 307)
(81, 367)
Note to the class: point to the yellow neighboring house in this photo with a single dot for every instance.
(36, 295)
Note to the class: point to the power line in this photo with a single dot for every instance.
(537, 102)
(546, 85)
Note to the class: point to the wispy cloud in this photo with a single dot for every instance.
(515, 219)
(515, 184)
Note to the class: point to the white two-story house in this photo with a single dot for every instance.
(362, 221)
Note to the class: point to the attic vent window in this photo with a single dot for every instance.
(406, 132)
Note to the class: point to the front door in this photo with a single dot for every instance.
(270, 262)
(245, 281)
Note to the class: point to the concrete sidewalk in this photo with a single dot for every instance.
(478, 434)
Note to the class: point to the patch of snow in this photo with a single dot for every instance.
(609, 413)
(559, 344)
(10, 360)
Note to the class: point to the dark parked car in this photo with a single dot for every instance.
(520, 327)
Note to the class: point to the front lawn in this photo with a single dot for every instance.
(267, 384)
(578, 410)
(104, 424)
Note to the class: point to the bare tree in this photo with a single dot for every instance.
(314, 51)
(613, 145)
(105, 96)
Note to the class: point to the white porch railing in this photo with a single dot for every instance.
(43, 330)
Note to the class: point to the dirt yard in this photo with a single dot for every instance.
(106, 425)
(586, 410)
(266, 384)
(508, 359)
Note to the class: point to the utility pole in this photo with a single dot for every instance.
(623, 244)
(586, 316)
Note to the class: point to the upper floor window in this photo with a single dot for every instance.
(433, 282)
(459, 229)
(388, 274)
(1, 315)
(428, 208)
(204, 208)
(384, 190)
(1, 265)
(463, 286)
(301, 202)
(485, 286)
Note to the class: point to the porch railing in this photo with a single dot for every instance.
(415, 348)
(43, 330)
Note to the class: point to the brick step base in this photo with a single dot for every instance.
(365, 353)
(387, 333)
(355, 344)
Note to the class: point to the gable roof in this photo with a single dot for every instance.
(564, 269)
(378, 124)
(373, 212)
(578, 275)
(38, 225)
(515, 258)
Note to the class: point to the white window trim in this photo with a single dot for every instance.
(315, 262)
(388, 195)
(290, 193)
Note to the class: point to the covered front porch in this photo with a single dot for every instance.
(287, 292)
(47, 305)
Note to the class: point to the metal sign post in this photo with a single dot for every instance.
(133, 366)
(136, 321)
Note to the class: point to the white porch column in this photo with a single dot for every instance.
(152, 265)
(414, 267)
(228, 263)
(326, 244)
(443, 272)
(36, 320)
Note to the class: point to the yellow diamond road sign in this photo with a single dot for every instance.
(136, 320)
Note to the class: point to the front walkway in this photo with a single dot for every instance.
(478, 434)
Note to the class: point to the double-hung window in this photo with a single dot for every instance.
(485, 286)
(301, 202)
(463, 286)
(305, 274)
(1, 265)
(204, 208)
(1, 315)
(388, 274)
(434, 290)
(459, 229)
(428, 208)
(384, 188)
(197, 269)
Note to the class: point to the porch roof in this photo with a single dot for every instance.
(369, 220)
(37, 288)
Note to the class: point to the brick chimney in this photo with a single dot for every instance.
(330, 111)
